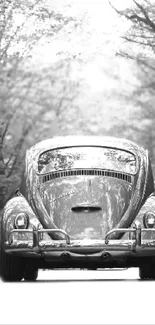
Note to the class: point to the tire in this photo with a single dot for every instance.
(11, 267)
(30, 274)
(147, 272)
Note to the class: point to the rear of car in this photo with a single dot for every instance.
(86, 190)
(85, 207)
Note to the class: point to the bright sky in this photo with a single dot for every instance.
(95, 40)
(101, 25)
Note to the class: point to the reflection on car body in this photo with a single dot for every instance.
(90, 204)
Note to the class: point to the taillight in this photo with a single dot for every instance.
(21, 221)
(149, 220)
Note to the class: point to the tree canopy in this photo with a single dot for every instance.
(65, 69)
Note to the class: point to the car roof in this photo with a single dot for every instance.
(73, 141)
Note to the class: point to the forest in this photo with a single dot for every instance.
(73, 67)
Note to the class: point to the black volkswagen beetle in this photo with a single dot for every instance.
(89, 204)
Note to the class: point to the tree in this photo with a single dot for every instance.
(139, 42)
(24, 101)
(141, 33)
(39, 100)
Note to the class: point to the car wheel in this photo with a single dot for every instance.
(30, 274)
(11, 268)
(147, 272)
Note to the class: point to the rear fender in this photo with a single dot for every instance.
(148, 206)
(14, 206)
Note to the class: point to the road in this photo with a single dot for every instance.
(79, 297)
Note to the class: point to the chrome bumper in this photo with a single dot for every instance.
(37, 245)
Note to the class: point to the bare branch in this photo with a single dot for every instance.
(129, 39)
(147, 18)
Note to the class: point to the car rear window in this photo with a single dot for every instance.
(87, 157)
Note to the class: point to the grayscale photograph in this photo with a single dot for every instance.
(77, 161)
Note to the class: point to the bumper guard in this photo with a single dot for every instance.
(133, 244)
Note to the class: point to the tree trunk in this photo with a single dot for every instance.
(3, 178)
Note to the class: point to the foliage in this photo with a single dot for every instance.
(56, 78)
(24, 101)
(142, 30)
(138, 45)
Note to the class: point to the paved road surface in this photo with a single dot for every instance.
(79, 297)
(88, 275)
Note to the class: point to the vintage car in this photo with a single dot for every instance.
(89, 204)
